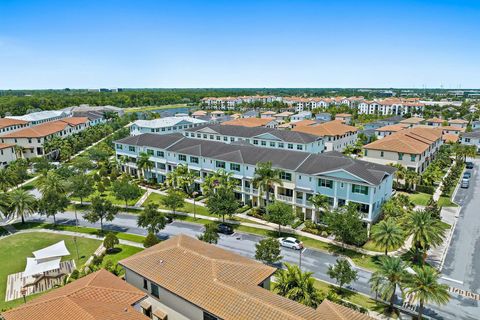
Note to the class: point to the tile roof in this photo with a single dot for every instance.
(413, 120)
(6, 122)
(305, 122)
(459, 121)
(393, 127)
(99, 295)
(6, 145)
(435, 120)
(244, 132)
(450, 137)
(45, 129)
(343, 115)
(199, 113)
(313, 164)
(453, 128)
(269, 112)
(412, 141)
(218, 281)
(249, 122)
(330, 128)
(333, 311)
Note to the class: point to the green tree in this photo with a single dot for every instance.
(210, 234)
(387, 234)
(22, 204)
(222, 202)
(268, 251)
(82, 164)
(220, 178)
(320, 202)
(51, 182)
(281, 214)
(265, 177)
(5, 180)
(174, 200)
(110, 241)
(81, 186)
(53, 203)
(101, 210)
(392, 274)
(347, 225)
(151, 219)
(424, 287)
(124, 190)
(342, 273)
(150, 240)
(144, 164)
(298, 286)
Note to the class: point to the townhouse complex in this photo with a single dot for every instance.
(165, 125)
(336, 135)
(392, 106)
(304, 174)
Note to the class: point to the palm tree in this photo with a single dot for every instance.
(400, 173)
(320, 201)
(51, 182)
(219, 178)
(387, 234)
(144, 164)
(5, 180)
(298, 286)
(424, 287)
(22, 203)
(427, 231)
(392, 274)
(18, 151)
(265, 177)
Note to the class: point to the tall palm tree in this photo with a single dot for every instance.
(298, 286)
(411, 179)
(427, 231)
(22, 203)
(144, 164)
(217, 179)
(51, 182)
(265, 177)
(392, 274)
(5, 180)
(320, 201)
(424, 288)
(387, 234)
(400, 173)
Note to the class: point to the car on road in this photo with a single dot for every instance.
(467, 175)
(465, 183)
(225, 229)
(291, 243)
(469, 165)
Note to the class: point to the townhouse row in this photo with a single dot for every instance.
(340, 178)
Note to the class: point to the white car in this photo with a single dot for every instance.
(291, 243)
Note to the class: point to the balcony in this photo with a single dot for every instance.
(299, 201)
(284, 198)
(255, 191)
(246, 189)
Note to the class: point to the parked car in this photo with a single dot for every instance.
(467, 175)
(465, 183)
(168, 219)
(291, 243)
(225, 229)
(469, 165)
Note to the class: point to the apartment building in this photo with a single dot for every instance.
(230, 103)
(388, 130)
(31, 139)
(7, 125)
(434, 122)
(97, 296)
(413, 148)
(339, 177)
(301, 103)
(258, 136)
(186, 278)
(336, 135)
(7, 154)
(458, 123)
(392, 106)
(165, 125)
(344, 118)
(253, 122)
(471, 139)
(40, 117)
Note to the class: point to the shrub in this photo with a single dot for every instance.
(150, 240)
(425, 189)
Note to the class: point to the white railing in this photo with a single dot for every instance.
(284, 198)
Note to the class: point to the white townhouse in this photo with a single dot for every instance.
(40, 117)
(471, 139)
(341, 178)
(336, 135)
(7, 125)
(7, 154)
(164, 125)
(258, 136)
(458, 123)
(304, 115)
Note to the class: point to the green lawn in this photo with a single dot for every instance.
(421, 199)
(120, 252)
(108, 195)
(20, 246)
(188, 207)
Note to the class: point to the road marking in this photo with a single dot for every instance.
(303, 250)
(467, 294)
(452, 280)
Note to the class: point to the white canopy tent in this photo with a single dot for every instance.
(46, 259)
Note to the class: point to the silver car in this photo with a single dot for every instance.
(465, 183)
(291, 243)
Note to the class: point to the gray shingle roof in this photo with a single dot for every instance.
(473, 134)
(244, 132)
(307, 163)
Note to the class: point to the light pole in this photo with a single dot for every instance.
(194, 194)
(76, 247)
(23, 291)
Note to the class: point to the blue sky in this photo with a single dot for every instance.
(90, 44)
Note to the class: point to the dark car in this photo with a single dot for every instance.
(469, 165)
(467, 175)
(225, 229)
(168, 219)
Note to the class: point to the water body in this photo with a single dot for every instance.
(165, 112)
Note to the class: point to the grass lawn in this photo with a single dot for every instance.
(188, 207)
(120, 252)
(20, 246)
(421, 199)
(150, 108)
(108, 195)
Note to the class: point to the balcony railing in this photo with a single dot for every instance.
(284, 198)
(299, 201)
(255, 191)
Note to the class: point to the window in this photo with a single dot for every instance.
(131, 148)
(208, 316)
(211, 137)
(234, 166)
(366, 152)
(381, 154)
(359, 189)
(225, 138)
(281, 145)
(325, 183)
(182, 157)
(160, 154)
(412, 157)
(218, 138)
(194, 159)
(400, 156)
(299, 147)
(145, 284)
(255, 142)
(161, 166)
(119, 147)
(150, 152)
(286, 176)
(264, 143)
(290, 146)
(272, 144)
(220, 164)
(154, 290)
(204, 136)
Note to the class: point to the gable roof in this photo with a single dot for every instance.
(40, 115)
(330, 128)
(458, 121)
(249, 122)
(412, 120)
(6, 122)
(435, 120)
(166, 122)
(46, 129)
(393, 127)
(333, 311)
(99, 295)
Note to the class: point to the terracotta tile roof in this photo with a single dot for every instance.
(343, 115)
(332, 311)
(412, 141)
(199, 113)
(284, 114)
(46, 129)
(216, 280)
(6, 145)
(249, 122)
(330, 128)
(435, 120)
(393, 127)
(450, 137)
(100, 295)
(6, 122)
(413, 120)
(306, 122)
(453, 128)
(459, 121)
(269, 112)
